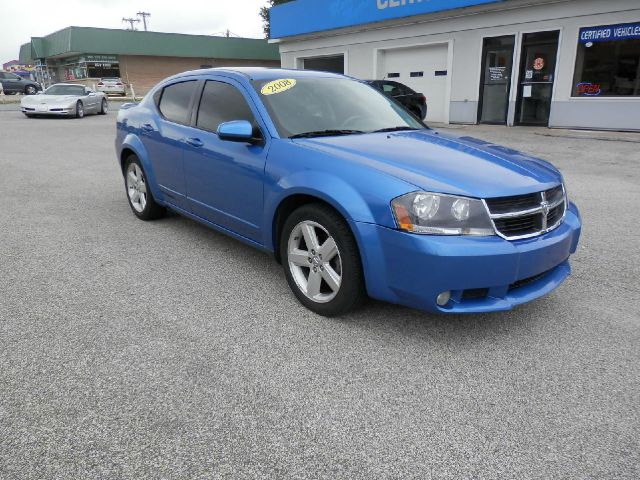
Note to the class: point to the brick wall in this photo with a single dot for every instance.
(146, 71)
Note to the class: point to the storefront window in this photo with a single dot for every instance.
(608, 61)
(76, 71)
(90, 66)
(103, 70)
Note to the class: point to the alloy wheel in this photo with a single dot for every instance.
(314, 261)
(136, 187)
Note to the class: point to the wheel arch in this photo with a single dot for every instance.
(285, 208)
(132, 145)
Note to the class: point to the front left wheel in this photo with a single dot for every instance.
(321, 260)
(30, 90)
(79, 109)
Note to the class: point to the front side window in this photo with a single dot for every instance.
(315, 104)
(221, 103)
(608, 61)
(175, 101)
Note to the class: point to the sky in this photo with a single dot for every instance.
(204, 17)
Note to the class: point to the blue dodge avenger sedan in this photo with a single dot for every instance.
(352, 194)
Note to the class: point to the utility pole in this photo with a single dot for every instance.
(131, 21)
(144, 16)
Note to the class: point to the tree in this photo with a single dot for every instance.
(264, 13)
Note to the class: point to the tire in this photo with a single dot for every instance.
(312, 278)
(104, 107)
(138, 192)
(79, 109)
(30, 90)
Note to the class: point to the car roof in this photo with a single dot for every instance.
(69, 84)
(262, 73)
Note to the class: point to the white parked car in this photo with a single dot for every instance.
(65, 99)
(111, 86)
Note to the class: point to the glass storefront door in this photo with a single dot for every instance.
(495, 84)
(537, 70)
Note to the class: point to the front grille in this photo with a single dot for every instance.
(529, 215)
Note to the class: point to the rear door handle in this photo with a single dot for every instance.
(147, 127)
(194, 142)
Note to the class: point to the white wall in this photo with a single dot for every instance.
(464, 30)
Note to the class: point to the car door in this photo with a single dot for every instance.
(90, 100)
(11, 83)
(163, 134)
(224, 178)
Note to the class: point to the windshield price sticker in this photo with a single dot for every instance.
(278, 86)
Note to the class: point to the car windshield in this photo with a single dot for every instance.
(330, 106)
(77, 90)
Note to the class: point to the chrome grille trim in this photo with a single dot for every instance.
(543, 210)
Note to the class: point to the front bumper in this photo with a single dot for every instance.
(483, 274)
(55, 111)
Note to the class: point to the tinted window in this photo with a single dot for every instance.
(397, 88)
(174, 103)
(221, 103)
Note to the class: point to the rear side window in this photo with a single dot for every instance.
(221, 103)
(175, 100)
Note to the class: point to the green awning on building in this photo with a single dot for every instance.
(76, 40)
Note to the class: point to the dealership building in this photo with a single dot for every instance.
(557, 63)
(84, 55)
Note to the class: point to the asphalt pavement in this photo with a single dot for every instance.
(164, 350)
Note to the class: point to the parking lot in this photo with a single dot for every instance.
(163, 349)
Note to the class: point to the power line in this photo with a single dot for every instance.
(144, 16)
(131, 21)
(226, 33)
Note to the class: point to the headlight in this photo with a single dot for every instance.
(440, 214)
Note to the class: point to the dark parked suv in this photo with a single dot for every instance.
(416, 103)
(12, 83)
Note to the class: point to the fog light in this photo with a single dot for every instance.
(443, 298)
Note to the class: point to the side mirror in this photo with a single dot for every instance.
(91, 94)
(236, 131)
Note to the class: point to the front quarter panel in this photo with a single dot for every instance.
(359, 193)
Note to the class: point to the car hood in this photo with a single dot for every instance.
(440, 162)
(50, 99)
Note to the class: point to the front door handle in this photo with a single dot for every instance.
(194, 142)
(147, 127)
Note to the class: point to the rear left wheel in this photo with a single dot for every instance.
(104, 107)
(139, 195)
(321, 261)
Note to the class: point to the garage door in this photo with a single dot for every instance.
(424, 69)
(333, 64)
